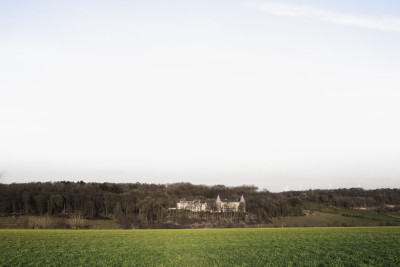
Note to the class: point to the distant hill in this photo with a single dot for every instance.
(136, 205)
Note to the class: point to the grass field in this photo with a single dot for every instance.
(395, 214)
(362, 214)
(208, 247)
(324, 219)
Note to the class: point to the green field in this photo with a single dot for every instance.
(395, 214)
(362, 214)
(207, 247)
(325, 219)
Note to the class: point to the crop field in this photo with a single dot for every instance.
(207, 247)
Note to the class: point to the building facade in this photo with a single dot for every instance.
(220, 205)
(195, 205)
(230, 206)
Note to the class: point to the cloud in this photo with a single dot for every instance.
(384, 23)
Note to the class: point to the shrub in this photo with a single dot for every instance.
(76, 222)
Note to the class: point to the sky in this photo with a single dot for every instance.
(284, 95)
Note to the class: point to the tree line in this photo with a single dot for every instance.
(141, 205)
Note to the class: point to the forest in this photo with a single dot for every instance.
(141, 205)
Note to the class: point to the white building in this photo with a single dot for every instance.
(230, 206)
(195, 205)
(220, 206)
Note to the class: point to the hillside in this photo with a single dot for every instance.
(109, 206)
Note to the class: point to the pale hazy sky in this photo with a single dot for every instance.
(279, 94)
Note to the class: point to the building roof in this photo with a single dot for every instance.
(230, 200)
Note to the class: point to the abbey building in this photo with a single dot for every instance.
(218, 206)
